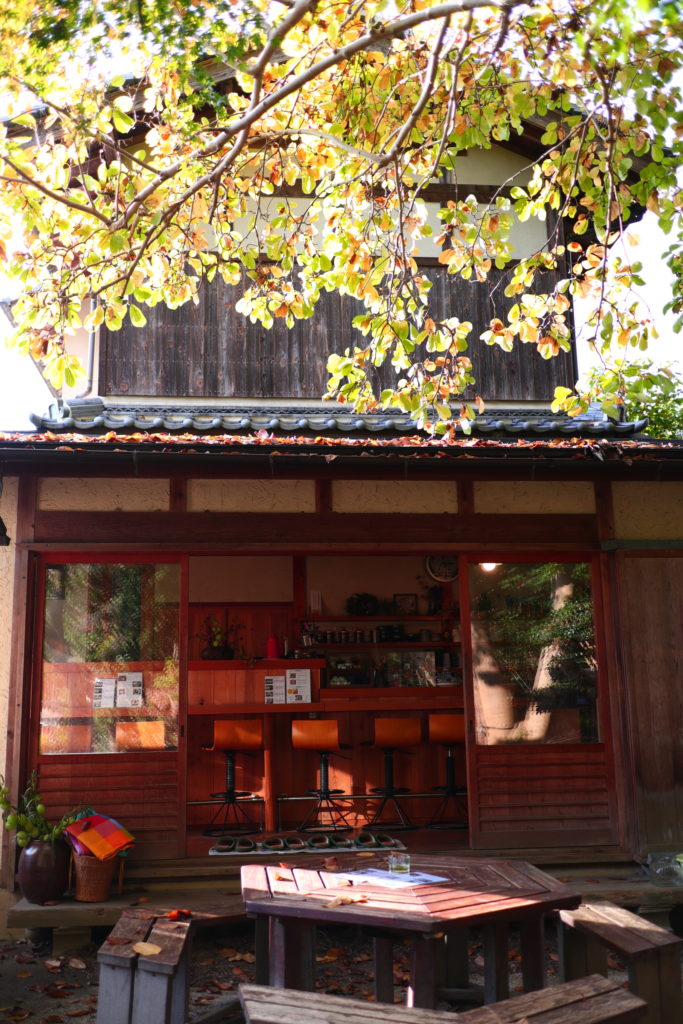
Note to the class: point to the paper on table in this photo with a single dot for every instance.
(390, 879)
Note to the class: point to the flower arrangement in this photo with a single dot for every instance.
(28, 817)
(214, 636)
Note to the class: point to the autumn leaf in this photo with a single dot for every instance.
(147, 948)
(77, 963)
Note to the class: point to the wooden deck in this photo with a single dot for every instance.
(194, 881)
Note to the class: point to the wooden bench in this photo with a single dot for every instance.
(144, 989)
(652, 954)
(593, 1000)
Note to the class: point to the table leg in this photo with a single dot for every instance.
(532, 938)
(422, 985)
(496, 983)
(455, 961)
(292, 954)
(383, 948)
(261, 949)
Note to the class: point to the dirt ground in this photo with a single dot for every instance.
(40, 988)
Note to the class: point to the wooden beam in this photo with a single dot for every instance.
(177, 494)
(323, 495)
(307, 528)
(604, 507)
(465, 497)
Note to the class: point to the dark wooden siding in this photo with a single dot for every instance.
(651, 593)
(545, 795)
(210, 350)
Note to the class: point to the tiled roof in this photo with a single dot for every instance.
(91, 416)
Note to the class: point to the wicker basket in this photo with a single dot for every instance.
(94, 877)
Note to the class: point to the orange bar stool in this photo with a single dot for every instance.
(322, 736)
(231, 736)
(449, 730)
(392, 735)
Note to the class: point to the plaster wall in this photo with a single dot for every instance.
(645, 511)
(251, 496)
(8, 512)
(337, 577)
(539, 497)
(241, 578)
(78, 494)
(401, 496)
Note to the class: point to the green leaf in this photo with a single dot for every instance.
(137, 317)
(118, 241)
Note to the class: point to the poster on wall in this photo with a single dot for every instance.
(274, 688)
(104, 693)
(299, 686)
(129, 692)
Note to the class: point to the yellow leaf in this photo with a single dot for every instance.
(147, 948)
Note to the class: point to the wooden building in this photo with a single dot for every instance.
(529, 576)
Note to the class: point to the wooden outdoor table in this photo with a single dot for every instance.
(288, 903)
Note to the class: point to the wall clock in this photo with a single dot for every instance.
(442, 568)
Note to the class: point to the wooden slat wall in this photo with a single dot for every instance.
(651, 597)
(141, 791)
(210, 350)
(558, 793)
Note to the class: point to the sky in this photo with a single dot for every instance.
(22, 390)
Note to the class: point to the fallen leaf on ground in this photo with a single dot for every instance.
(247, 958)
(224, 986)
(20, 1015)
(78, 1013)
(146, 948)
(227, 952)
(365, 854)
(117, 940)
(178, 915)
(24, 974)
(76, 963)
(52, 1018)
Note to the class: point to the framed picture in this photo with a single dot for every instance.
(405, 604)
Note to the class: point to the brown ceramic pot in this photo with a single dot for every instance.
(43, 870)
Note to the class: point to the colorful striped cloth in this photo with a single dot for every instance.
(99, 835)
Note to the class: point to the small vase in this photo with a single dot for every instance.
(217, 653)
(43, 870)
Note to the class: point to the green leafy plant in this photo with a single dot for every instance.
(28, 819)
(214, 634)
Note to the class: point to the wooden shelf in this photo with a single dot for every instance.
(375, 618)
(268, 664)
(390, 645)
(251, 709)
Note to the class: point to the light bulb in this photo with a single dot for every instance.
(488, 566)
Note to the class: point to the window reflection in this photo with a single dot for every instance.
(533, 651)
(110, 658)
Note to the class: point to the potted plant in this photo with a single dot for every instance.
(43, 869)
(218, 641)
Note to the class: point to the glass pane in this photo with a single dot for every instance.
(533, 653)
(110, 658)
